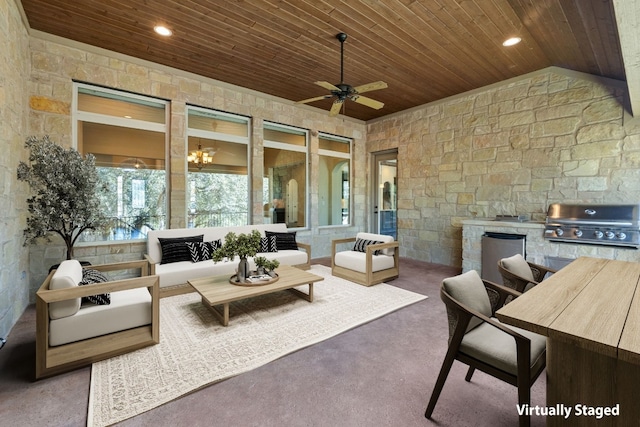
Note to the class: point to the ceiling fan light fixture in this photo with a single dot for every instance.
(511, 41)
(162, 30)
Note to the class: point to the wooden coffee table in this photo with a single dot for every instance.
(217, 290)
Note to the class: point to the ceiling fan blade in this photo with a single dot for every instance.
(327, 86)
(367, 101)
(317, 98)
(370, 86)
(335, 108)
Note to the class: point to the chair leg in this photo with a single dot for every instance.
(470, 372)
(442, 377)
(524, 398)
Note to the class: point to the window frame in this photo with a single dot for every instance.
(337, 154)
(267, 143)
(224, 137)
(78, 116)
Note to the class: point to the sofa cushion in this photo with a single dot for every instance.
(361, 245)
(357, 261)
(284, 241)
(203, 251)
(268, 244)
(175, 249)
(67, 275)
(128, 309)
(90, 276)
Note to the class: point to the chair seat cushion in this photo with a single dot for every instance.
(496, 348)
(128, 309)
(357, 261)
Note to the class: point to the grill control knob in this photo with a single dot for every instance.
(609, 234)
(621, 236)
(578, 233)
(598, 234)
(559, 232)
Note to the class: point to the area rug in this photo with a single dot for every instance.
(195, 350)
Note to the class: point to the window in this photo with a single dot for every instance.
(285, 168)
(334, 180)
(127, 134)
(218, 186)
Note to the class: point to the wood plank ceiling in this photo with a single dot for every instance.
(425, 50)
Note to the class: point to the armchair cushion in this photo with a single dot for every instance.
(67, 275)
(494, 347)
(468, 289)
(517, 265)
(361, 245)
(128, 309)
(382, 238)
(357, 261)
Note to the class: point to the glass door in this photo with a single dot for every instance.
(385, 193)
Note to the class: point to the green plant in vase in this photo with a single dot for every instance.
(261, 264)
(241, 246)
(271, 266)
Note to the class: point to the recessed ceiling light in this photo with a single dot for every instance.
(511, 41)
(162, 30)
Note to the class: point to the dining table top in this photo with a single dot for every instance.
(592, 303)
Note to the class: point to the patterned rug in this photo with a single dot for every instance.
(196, 351)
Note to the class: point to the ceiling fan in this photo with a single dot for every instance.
(343, 91)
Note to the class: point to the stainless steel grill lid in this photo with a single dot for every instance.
(615, 225)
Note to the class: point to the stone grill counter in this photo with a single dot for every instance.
(538, 249)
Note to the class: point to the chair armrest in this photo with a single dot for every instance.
(152, 264)
(306, 247)
(337, 242)
(539, 271)
(48, 296)
(503, 293)
(143, 265)
(449, 300)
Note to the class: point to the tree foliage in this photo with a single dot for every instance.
(65, 188)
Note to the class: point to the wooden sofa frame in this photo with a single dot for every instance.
(370, 277)
(57, 359)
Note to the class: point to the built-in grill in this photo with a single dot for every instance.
(614, 225)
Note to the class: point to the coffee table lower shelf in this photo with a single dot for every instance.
(217, 291)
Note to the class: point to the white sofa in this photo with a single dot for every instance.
(71, 333)
(173, 276)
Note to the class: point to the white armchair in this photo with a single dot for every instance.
(70, 334)
(369, 259)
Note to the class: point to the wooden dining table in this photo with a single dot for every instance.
(590, 313)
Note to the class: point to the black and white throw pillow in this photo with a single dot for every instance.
(284, 241)
(268, 244)
(203, 251)
(175, 249)
(90, 276)
(361, 245)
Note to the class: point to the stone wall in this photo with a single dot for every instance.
(57, 62)
(511, 148)
(14, 65)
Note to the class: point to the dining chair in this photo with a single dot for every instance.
(521, 275)
(479, 340)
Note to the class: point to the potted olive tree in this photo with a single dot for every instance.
(64, 192)
(240, 245)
